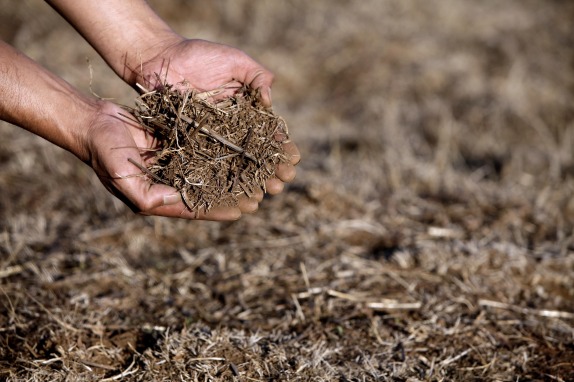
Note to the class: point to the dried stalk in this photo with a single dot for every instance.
(211, 152)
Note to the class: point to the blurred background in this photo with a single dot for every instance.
(437, 141)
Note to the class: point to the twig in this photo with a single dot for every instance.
(146, 171)
(219, 138)
(518, 309)
(298, 309)
(341, 295)
(95, 364)
(123, 374)
(207, 359)
(450, 360)
(394, 305)
(9, 271)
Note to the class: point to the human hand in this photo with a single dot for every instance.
(138, 45)
(114, 145)
(207, 66)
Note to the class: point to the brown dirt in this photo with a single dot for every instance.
(428, 235)
(212, 151)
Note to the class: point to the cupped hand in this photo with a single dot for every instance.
(206, 66)
(202, 65)
(117, 146)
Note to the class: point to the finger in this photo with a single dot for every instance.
(285, 172)
(274, 186)
(180, 210)
(258, 195)
(173, 206)
(163, 200)
(248, 205)
(290, 148)
(214, 214)
(257, 77)
(265, 93)
(219, 214)
(292, 152)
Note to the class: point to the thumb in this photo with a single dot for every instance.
(257, 77)
(266, 96)
(142, 196)
(162, 200)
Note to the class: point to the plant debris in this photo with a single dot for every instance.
(211, 151)
(428, 235)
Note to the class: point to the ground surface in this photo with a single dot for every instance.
(428, 235)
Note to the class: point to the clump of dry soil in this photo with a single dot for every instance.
(211, 150)
(428, 235)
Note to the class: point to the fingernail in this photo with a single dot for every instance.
(171, 199)
(270, 101)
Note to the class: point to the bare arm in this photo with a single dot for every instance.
(137, 44)
(126, 33)
(34, 98)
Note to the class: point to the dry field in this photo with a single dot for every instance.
(427, 237)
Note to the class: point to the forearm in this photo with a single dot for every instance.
(123, 32)
(39, 101)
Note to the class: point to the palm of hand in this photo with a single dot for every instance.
(114, 140)
(206, 66)
(116, 143)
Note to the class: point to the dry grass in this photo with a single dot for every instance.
(427, 237)
(212, 151)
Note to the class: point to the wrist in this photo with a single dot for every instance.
(125, 33)
(78, 126)
(149, 51)
(35, 99)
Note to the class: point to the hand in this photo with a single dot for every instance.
(206, 66)
(111, 141)
(202, 65)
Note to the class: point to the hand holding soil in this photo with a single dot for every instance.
(188, 78)
(215, 153)
(137, 44)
